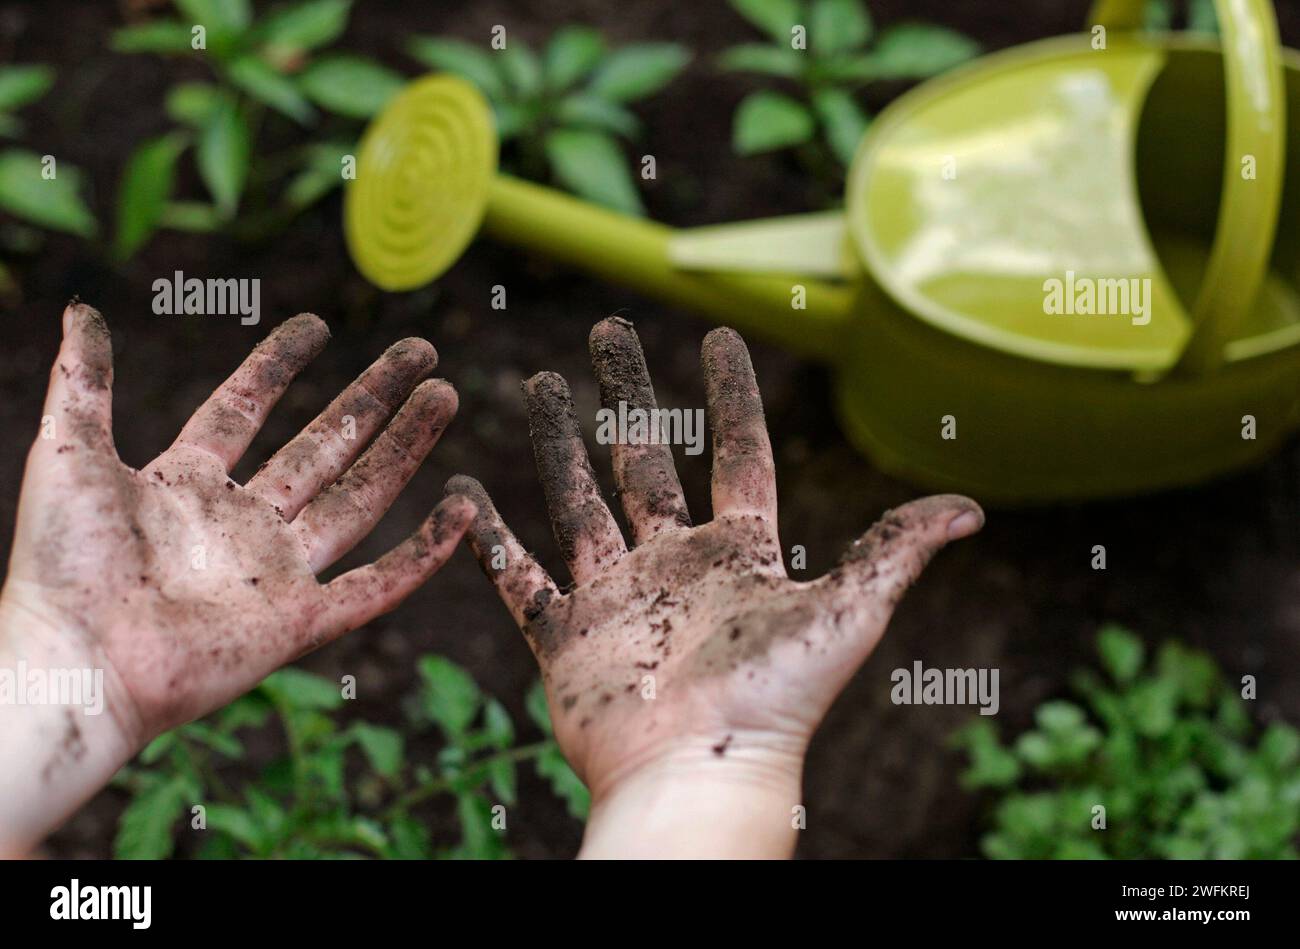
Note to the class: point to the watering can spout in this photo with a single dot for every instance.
(796, 310)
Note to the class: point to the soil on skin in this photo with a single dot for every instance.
(1218, 566)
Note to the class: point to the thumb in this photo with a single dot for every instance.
(879, 566)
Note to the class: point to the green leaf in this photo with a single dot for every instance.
(247, 711)
(218, 741)
(270, 88)
(566, 785)
(522, 70)
(845, 123)
(496, 723)
(590, 164)
(54, 203)
(450, 697)
(1193, 673)
(570, 56)
(301, 690)
(193, 217)
(382, 746)
(1059, 717)
(303, 26)
(267, 811)
(239, 824)
(464, 59)
(144, 831)
(409, 839)
(321, 173)
(222, 155)
(637, 71)
(764, 58)
(158, 747)
(535, 706)
(479, 840)
(323, 770)
(766, 121)
(1153, 705)
(502, 777)
(773, 17)
(838, 25)
(918, 50)
(158, 36)
(1121, 652)
(587, 111)
(350, 85)
(146, 185)
(991, 765)
(192, 103)
(20, 85)
(225, 17)
(1280, 747)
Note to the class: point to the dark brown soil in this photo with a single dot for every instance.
(1218, 566)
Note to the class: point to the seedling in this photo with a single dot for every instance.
(342, 789)
(564, 113)
(273, 63)
(828, 50)
(1160, 762)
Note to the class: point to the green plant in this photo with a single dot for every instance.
(827, 49)
(1170, 753)
(342, 790)
(32, 187)
(271, 63)
(564, 112)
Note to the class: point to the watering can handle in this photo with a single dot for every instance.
(1253, 170)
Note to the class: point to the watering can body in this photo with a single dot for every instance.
(928, 298)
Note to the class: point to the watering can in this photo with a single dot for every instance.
(1058, 275)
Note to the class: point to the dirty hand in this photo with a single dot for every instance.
(686, 676)
(181, 587)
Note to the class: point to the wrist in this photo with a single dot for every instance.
(60, 737)
(701, 800)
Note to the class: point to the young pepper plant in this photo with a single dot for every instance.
(271, 63)
(825, 51)
(341, 790)
(565, 111)
(1161, 761)
(32, 188)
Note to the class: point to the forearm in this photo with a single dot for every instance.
(59, 742)
(703, 802)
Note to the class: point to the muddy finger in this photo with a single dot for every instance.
(225, 424)
(587, 533)
(79, 401)
(322, 451)
(345, 512)
(522, 584)
(646, 477)
(744, 477)
(358, 596)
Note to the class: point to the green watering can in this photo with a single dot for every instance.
(1059, 274)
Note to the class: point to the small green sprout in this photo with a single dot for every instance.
(564, 112)
(1161, 764)
(273, 63)
(827, 50)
